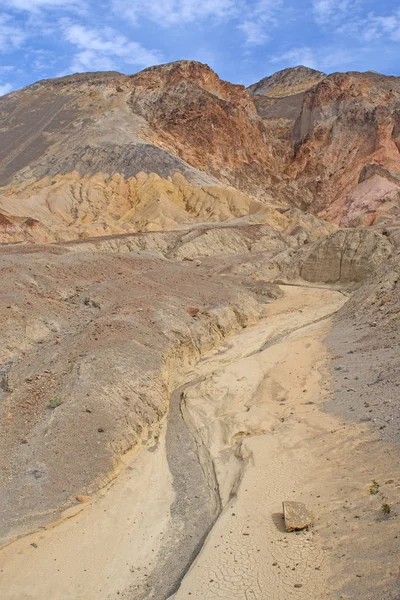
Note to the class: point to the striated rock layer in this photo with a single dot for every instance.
(328, 144)
(337, 140)
(70, 206)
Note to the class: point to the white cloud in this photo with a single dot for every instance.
(260, 17)
(5, 88)
(254, 32)
(174, 12)
(326, 58)
(11, 35)
(371, 28)
(295, 57)
(88, 60)
(388, 26)
(100, 49)
(332, 59)
(36, 5)
(327, 11)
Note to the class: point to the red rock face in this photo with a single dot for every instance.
(211, 124)
(287, 82)
(339, 126)
(347, 121)
(296, 139)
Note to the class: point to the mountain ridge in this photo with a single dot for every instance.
(305, 146)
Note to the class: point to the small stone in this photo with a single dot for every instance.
(34, 545)
(100, 430)
(83, 499)
(296, 515)
(298, 585)
(192, 311)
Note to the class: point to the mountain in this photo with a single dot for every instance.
(337, 140)
(287, 82)
(106, 153)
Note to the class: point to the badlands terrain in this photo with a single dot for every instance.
(199, 321)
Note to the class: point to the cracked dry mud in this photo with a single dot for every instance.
(253, 434)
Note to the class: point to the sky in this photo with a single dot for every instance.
(242, 40)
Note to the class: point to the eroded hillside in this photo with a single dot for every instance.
(328, 144)
(189, 338)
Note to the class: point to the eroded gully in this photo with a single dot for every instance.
(140, 540)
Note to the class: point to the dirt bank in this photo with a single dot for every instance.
(261, 422)
(101, 532)
(254, 409)
(91, 349)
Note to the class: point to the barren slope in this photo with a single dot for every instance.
(328, 144)
(91, 345)
(337, 140)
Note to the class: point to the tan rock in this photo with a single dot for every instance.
(296, 515)
(83, 499)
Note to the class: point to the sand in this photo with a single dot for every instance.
(255, 410)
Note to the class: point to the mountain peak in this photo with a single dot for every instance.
(287, 82)
(177, 70)
(190, 73)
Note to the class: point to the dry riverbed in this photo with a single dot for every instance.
(197, 511)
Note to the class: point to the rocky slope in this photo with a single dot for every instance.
(173, 118)
(102, 328)
(288, 82)
(337, 140)
(164, 208)
(87, 364)
(70, 206)
(326, 143)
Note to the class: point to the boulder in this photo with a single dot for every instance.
(296, 515)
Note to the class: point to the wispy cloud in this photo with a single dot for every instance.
(174, 12)
(390, 25)
(375, 27)
(296, 56)
(255, 33)
(104, 49)
(372, 27)
(5, 88)
(260, 17)
(11, 35)
(327, 59)
(329, 11)
(37, 5)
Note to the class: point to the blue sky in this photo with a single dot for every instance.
(242, 40)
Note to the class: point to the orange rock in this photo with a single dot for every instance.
(83, 499)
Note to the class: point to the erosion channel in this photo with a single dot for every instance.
(196, 513)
